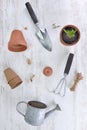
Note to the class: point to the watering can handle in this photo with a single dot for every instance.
(31, 12)
(22, 102)
(69, 63)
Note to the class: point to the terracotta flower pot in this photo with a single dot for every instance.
(65, 40)
(47, 71)
(17, 42)
(13, 79)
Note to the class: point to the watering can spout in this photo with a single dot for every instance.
(51, 111)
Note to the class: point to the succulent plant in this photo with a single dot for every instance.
(70, 33)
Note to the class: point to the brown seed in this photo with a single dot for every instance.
(32, 77)
(25, 28)
(54, 25)
(47, 71)
(28, 61)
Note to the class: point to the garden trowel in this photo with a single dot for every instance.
(41, 34)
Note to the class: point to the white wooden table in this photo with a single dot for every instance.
(13, 15)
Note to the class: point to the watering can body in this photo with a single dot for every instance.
(36, 112)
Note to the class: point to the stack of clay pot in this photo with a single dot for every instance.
(13, 79)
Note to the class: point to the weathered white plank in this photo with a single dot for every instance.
(14, 15)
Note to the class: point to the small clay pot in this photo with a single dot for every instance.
(47, 71)
(17, 41)
(13, 79)
(65, 40)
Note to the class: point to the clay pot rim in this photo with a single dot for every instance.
(72, 26)
(16, 83)
(18, 48)
(49, 69)
(16, 77)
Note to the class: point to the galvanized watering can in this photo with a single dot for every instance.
(36, 112)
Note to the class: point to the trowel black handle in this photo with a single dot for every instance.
(69, 63)
(31, 12)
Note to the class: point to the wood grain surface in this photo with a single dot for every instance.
(14, 15)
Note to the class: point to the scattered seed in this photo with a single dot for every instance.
(32, 77)
(28, 61)
(55, 26)
(25, 28)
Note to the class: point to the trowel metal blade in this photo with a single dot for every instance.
(58, 107)
(43, 37)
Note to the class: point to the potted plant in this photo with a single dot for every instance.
(69, 35)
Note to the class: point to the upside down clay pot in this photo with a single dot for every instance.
(67, 41)
(47, 71)
(17, 41)
(13, 79)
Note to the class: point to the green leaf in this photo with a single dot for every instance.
(70, 33)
